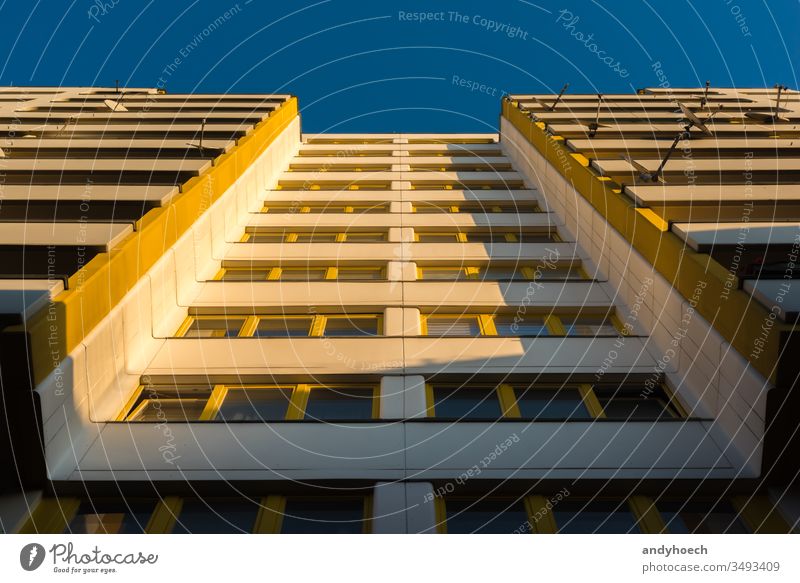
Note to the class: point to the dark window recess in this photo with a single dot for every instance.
(466, 403)
(111, 517)
(198, 516)
(304, 516)
(486, 517)
(254, 405)
(594, 518)
(332, 404)
(551, 404)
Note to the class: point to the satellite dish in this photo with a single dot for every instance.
(115, 105)
(773, 116)
(202, 131)
(644, 173)
(693, 120)
(595, 125)
(648, 176)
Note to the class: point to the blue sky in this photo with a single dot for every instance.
(399, 66)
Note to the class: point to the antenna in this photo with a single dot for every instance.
(704, 99)
(563, 89)
(594, 125)
(648, 176)
(202, 131)
(70, 120)
(773, 116)
(116, 86)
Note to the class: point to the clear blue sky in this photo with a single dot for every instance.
(369, 66)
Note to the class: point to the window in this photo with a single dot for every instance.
(465, 402)
(589, 325)
(482, 237)
(636, 402)
(522, 324)
(360, 273)
(537, 402)
(551, 404)
(156, 403)
(333, 167)
(489, 325)
(211, 327)
(595, 517)
(341, 403)
(466, 184)
(446, 325)
(254, 404)
(485, 516)
(258, 403)
(331, 208)
(495, 272)
(486, 208)
(324, 516)
(684, 517)
(111, 517)
(216, 516)
(313, 237)
(285, 326)
(340, 325)
(477, 166)
(246, 273)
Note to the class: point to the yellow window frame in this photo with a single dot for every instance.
(190, 319)
(484, 322)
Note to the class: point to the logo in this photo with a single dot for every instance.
(31, 556)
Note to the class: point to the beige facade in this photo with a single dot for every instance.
(427, 329)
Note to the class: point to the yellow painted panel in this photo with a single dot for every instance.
(99, 285)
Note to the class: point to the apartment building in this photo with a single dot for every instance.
(396, 333)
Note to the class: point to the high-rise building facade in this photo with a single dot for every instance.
(217, 323)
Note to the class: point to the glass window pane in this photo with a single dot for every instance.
(111, 517)
(214, 328)
(347, 273)
(184, 409)
(453, 326)
(224, 516)
(466, 403)
(594, 517)
(302, 273)
(683, 517)
(281, 327)
(498, 272)
(429, 208)
(534, 237)
(316, 237)
(351, 326)
(486, 517)
(520, 325)
(633, 403)
(339, 403)
(443, 273)
(365, 237)
(332, 516)
(266, 238)
(560, 273)
(257, 274)
(255, 404)
(437, 237)
(546, 404)
(588, 325)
